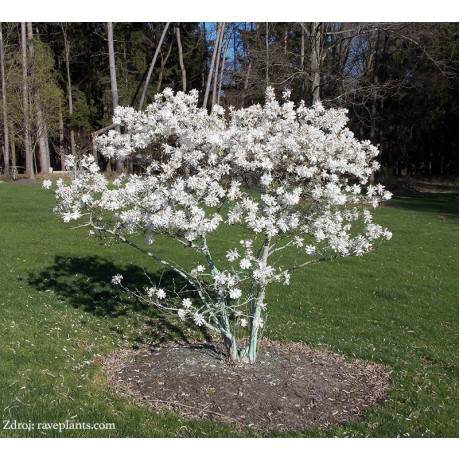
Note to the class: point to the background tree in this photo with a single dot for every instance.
(5, 147)
(399, 81)
(113, 81)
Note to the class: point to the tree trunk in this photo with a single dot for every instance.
(12, 148)
(316, 61)
(250, 351)
(181, 59)
(6, 153)
(113, 83)
(162, 67)
(248, 71)
(25, 102)
(222, 66)
(374, 102)
(43, 147)
(216, 71)
(302, 63)
(152, 65)
(211, 67)
(267, 57)
(69, 86)
(61, 141)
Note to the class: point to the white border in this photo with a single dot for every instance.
(234, 10)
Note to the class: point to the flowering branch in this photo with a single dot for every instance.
(288, 177)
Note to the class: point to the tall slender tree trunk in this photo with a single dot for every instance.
(69, 86)
(43, 147)
(12, 147)
(302, 63)
(267, 56)
(162, 67)
(181, 59)
(286, 33)
(113, 83)
(248, 70)
(222, 66)
(6, 153)
(203, 66)
(374, 102)
(61, 140)
(316, 61)
(216, 71)
(152, 65)
(211, 67)
(25, 103)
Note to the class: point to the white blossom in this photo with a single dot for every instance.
(160, 294)
(198, 319)
(232, 255)
(234, 293)
(187, 303)
(310, 250)
(284, 177)
(117, 279)
(258, 322)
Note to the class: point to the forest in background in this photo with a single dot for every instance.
(60, 82)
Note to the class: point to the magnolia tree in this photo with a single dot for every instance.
(284, 177)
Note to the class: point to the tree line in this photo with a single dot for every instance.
(61, 82)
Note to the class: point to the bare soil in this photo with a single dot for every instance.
(290, 387)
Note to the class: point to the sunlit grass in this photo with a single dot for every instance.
(397, 306)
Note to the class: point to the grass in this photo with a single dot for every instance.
(397, 306)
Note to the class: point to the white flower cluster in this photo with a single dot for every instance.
(291, 177)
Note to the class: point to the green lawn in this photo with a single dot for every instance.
(397, 306)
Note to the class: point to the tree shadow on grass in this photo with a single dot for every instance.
(85, 283)
(437, 203)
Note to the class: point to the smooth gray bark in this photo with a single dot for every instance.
(222, 66)
(219, 40)
(162, 67)
(61, 141)
(315, 61)
(302, 63)
(181, 59)
(25, 103)
(152, 65)
(113, 82)
(267, 56)
(69, 85)
(6, 153)
(40, 124)
(211, 67)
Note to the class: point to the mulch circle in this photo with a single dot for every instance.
(290, 387)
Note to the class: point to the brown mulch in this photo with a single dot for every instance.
(290, 387)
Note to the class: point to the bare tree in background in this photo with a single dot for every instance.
(211, 67)
(219, 41)
(181, 58)
(113, 82)
(222, 66)
(25, 102)
(316, 58)
(40, 124)
(152, 65)
(64, 29)
(6, 152)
